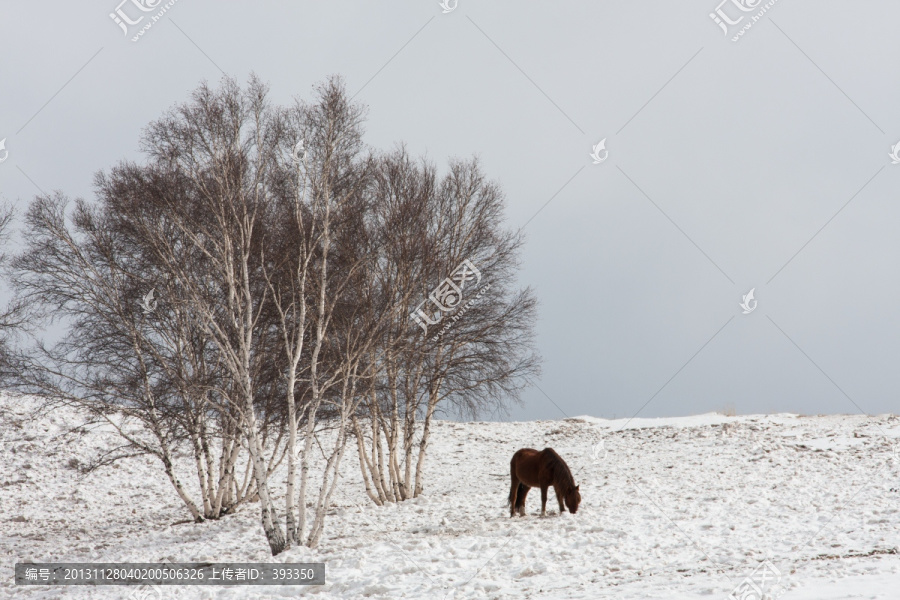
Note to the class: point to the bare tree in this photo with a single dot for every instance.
(264, 234)
(317, 222)
(403, 198)
(218, 148)
(118, 361)
(475, 355)
(14, 317)
(485, 355)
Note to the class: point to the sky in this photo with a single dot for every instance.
(727, 166)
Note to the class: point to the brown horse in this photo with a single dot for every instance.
(532, 468)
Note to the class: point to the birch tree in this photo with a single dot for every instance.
(14, 317)
(477, 364)
(220, 146)
(324, 225)
(118, 361)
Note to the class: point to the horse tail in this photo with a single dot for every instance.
(512, 488)
(521, 494)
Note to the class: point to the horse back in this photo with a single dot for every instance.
(527, 466)
(525, 454)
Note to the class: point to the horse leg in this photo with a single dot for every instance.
(544, 500)
(523, 493)
(513, 499)
(559, 498)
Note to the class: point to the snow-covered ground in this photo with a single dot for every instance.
(679, 508)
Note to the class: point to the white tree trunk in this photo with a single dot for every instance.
(176, 483)
(423, 444)
(291, 525)
(378, 455)
(365, 465)
(304, 470)
(334, 466)
(271, 526)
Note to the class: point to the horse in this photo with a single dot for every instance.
(532, 468)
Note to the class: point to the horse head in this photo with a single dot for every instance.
(573, 499)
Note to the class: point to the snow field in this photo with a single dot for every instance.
(672, 508)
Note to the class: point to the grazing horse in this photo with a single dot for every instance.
(532, 468)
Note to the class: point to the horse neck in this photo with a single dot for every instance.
(562, 476)
(566, 482)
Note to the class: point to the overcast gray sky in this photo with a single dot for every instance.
(761, 163)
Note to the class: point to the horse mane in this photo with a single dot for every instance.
(562, 476)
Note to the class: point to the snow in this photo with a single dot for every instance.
(681, 508)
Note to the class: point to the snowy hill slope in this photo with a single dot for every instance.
(672, 508)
